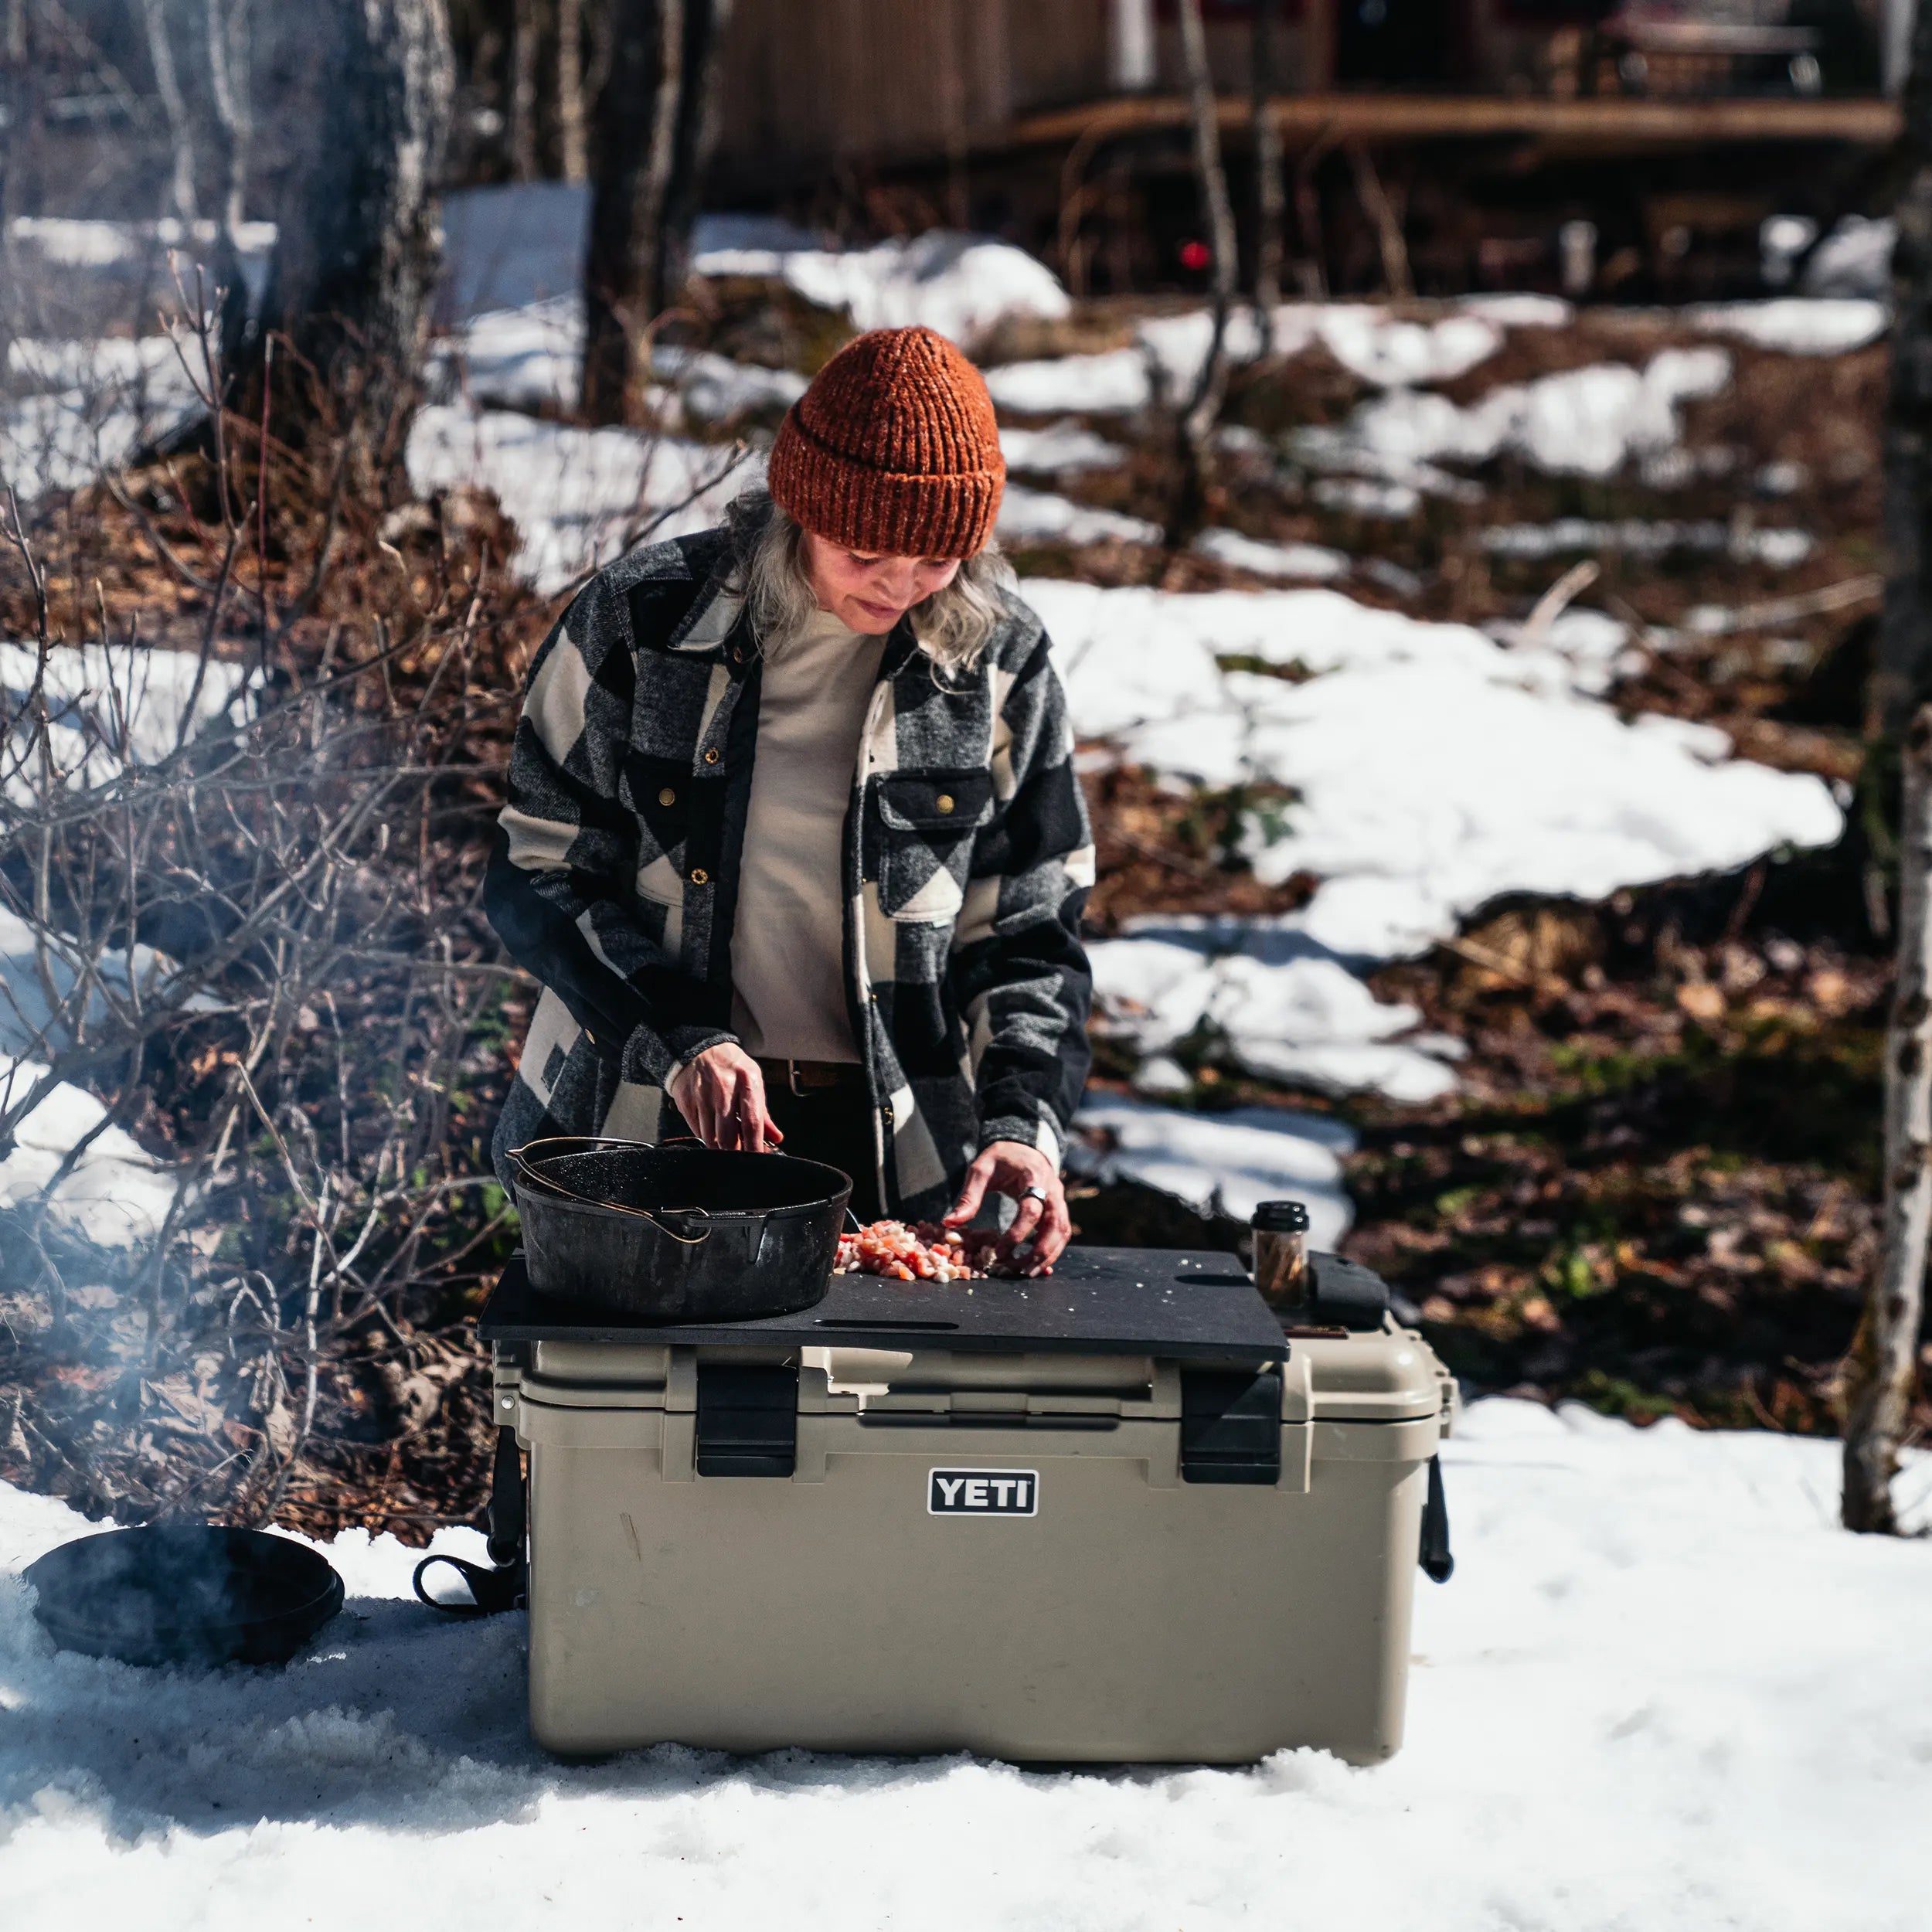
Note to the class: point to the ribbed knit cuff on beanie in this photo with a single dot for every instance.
(893, 449)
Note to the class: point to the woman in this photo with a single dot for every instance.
(794, 837)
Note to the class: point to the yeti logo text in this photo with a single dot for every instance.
(983, 1492)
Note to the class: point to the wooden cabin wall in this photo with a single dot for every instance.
(807, 84)
(1301, 59)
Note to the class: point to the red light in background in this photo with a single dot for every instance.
(1195, 255)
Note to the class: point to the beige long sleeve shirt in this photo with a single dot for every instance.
(787, 949)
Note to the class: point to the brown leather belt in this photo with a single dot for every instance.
(810, 1076)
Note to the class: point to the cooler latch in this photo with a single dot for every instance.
(1231, 1426)
(747, 1419)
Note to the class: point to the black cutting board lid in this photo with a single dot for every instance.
(1179, 1303)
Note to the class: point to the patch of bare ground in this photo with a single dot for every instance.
(1653, 1189)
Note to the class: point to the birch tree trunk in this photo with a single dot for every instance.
(230, 75)
(571, 134)
(1271, 185)
(369, 84)
(1883, 1366)
(1902, 675)
(181, 133)
(656, 121)
(1201, 410)
(523, 51)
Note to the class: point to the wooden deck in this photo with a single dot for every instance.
(1597, 123)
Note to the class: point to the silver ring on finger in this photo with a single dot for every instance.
(1035, 1194)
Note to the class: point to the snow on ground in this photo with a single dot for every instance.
(1381, 349)
(714, 388)
(1037, 516)
(526, 358)
(1286, 1010)
(1060, 449)
(1780, 548)
(1797, 326)
(1224, 1162)
(30, 1023)
(1263, 559)
(1646, 1699)
(1855, 260)
(76, 409)
(508, 247)
(1436, 769)
(576, 496)
(108, 704)
(1112, 381)
(1520, 310)
(1169, 350)
(959, 284)
(115, 1193)
(69, 242)
(1581, 422)
(1595, 646)
(533, 358)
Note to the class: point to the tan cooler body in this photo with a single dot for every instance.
(1115, 1516)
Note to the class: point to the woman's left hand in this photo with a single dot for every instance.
(1011, 1168)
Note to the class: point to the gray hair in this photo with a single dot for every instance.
(953, 626)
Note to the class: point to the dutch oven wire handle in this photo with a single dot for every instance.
(524, 1170)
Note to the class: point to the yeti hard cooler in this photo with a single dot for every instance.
(1113, 1514)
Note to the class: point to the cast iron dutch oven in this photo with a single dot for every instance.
(677, 1233)
(185, 1594)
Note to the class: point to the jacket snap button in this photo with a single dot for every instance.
(944, 802)
(711, 756)
(667, 797)
(699, 876)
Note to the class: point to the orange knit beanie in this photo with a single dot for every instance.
(893, 449)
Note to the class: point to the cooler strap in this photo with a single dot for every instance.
(504, 1585)
(1437, 1565)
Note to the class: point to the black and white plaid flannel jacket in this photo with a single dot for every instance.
(968, 858)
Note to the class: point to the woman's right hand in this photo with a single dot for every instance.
(721, 1093)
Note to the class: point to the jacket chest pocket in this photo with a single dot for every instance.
(921, 826)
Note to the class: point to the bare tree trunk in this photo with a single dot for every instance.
(1271, 185)
(656, 122)
(1884, 1359)
(231, 79)
(369, 83)
(1903, 676)
(953, 98)
(523, 51)
(1203, 408)
(1882, 1368)
(1380, 207)
(161, 55)
(570, 90)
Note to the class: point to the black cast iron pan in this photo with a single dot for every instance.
(185, 1594)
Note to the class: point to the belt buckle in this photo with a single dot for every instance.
(791, 1078)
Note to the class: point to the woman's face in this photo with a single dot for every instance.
(869, 594)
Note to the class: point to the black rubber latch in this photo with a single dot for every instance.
(1437, 1565)
(1347, 1295)
(747, 1419)
(1231, 1426)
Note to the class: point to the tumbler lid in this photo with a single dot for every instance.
(1280, 1217)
